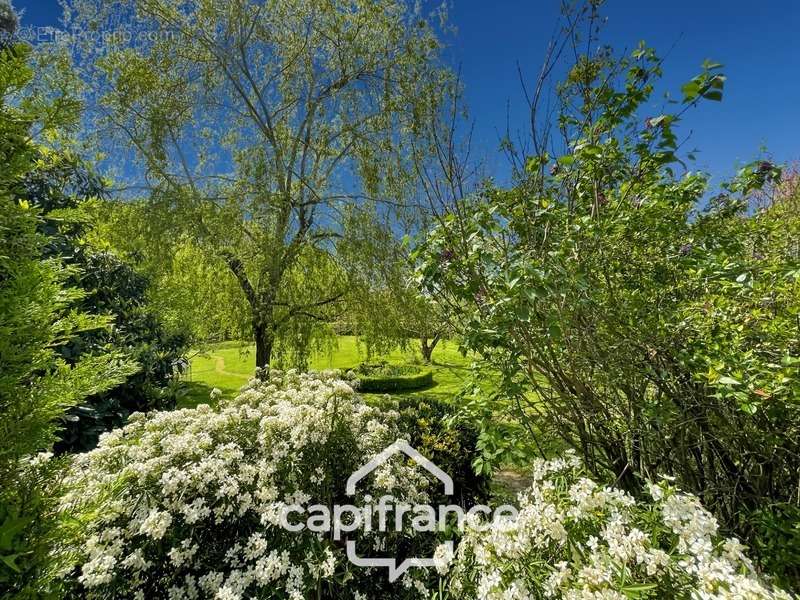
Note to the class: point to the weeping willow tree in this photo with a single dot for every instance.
(385, 307)
(252, 127)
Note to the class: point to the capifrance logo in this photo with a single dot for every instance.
(387, 515)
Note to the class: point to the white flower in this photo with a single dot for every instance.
(179, 555)
(41, 458)
(156, 524)
(98, 571)
(556, 579)
(136, 561)
(656, 491)
(227, 593)
(442, 557)
(342, 388)
(573, 539)
(203, 473)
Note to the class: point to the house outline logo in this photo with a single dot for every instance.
(398, 447)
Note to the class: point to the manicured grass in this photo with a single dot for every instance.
(229, 365)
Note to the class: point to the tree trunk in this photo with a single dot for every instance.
(263, 323)
(428, 347)
(265, 338)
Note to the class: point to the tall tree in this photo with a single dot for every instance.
(256, 125)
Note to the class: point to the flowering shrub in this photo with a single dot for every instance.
(576, 539)
(196, 496)
(190, 505)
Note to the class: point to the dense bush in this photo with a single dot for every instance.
(194, 497)
(387, 378)
(434, 427)
(633, 314)
(37, 315)
(576, 539)
(116, 289)
(63, 188)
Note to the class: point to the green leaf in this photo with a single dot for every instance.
(10, 560)
(749, 408)
(690, 90)
(638, 590)
(592, 150)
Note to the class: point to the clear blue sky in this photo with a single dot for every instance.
(759, 43)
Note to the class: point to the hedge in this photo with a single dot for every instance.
(396, 383)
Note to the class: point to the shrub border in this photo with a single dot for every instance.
(397, 383)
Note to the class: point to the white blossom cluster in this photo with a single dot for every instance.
(574, 539)
(187, 503)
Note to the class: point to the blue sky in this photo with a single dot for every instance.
(756, 41)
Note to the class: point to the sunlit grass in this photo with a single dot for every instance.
(229, 365)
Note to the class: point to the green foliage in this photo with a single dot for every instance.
(778, 541)
(188, 291)
(384, 306)
(649, 334)
(63, 188)
(382, 377)
(116, 289)
(384, 369)
(438, 431)
(266, 137)
(37, 316)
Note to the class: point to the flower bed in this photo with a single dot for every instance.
(186, 504)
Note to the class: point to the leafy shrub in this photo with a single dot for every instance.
(64, 188)
(384, 377)
(576, 539)
(777, 543)
(38, 314)
(434, 428)
(115, 288)
(34, 534)
(384, 369)
(633, 312)
(195, 496)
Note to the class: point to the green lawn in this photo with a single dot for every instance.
(229, 365)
